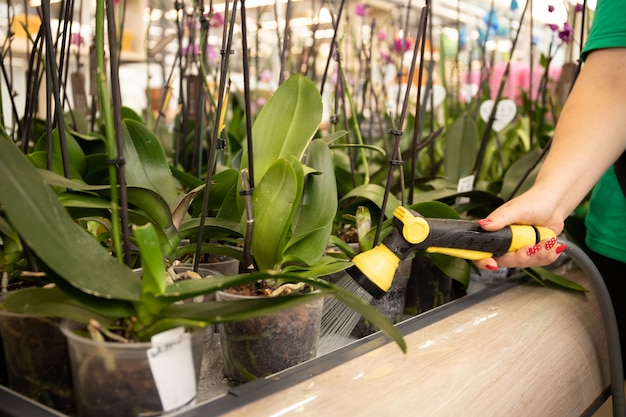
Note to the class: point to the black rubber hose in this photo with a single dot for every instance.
(610, 325)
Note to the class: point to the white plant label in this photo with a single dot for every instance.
(469, 91)
(505, 113)
(171, 361)
(465, 184)
(438, 95)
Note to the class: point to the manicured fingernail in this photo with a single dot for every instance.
(561, 248)
(491, 267)
(485, 222)
(550, 243)
(533, 250)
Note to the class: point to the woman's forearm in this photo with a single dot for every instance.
(591, 131)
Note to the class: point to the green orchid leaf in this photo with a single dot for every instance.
(128, 113)
(146, 163)
(319, 202)
(274, 202)
(223, 193)
(461, 148)
(286, 124)
(97, 169)
(435, 209)
(517, 173)
(75, 154)
(542, 275)
(180, 206)
(326, 265)
(345, 249)
(186, 179)
(212, 248)
(5, 227)
(310, 247)
(53, 178)
(39, 159)
(378, 149)
(314, 220)
(35, 212)
(105, 306)
(152, 204)
(374, 193)
(11, 250)
(334, 136)
(214, 226)
(83, 200)
(152, 265)
(363, 222)
(149, 205)
(51, 302)
(455, 268)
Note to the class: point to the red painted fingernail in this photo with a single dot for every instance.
(491, 267)
(550, 243)
(561, 248)
(485, 222)
(533, 250)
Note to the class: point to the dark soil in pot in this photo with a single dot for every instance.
(116, 379)
(429, 287)
(37, 360)
(258, 347)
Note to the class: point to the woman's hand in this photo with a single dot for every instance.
(533, 209)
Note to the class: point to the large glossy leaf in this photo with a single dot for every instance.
(152, 275)
(75, 154)
(146, 163)
(274, 202)
(435, 209)
(455, 268)
(45, 226)
(51, 302)
(374, 193)
(83, 200)
(39, 159)
(316, 213)
(310, 247)
(152, 265)
(53, 178)
(153, 205)
(286, 124)
(461, 148)
(190, 227)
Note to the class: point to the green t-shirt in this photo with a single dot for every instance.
(606, 220)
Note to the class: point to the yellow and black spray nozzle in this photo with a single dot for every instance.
(374, 269)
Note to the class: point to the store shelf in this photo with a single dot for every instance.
(513, 349)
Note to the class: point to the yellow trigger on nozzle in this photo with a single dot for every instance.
(416, 228)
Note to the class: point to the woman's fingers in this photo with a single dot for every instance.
(540, 254)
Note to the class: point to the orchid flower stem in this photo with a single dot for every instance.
(226, 51)
(106, 117)
(353, 120)
(397, 131)
(116, 98)
(489, 126)
(333, 43)
(246, 91)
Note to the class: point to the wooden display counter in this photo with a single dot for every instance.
(518, 349)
